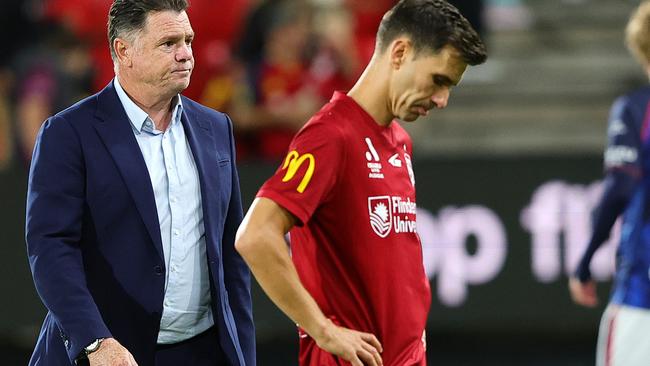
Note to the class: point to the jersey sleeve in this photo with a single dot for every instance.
(617, 192)
(623, 170)
(623, 150)
(307, 175)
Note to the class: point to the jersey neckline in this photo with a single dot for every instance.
(340, 96)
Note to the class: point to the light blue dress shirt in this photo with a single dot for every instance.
(175, 182)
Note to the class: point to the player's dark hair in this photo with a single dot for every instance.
(431, 25)
(126, 16)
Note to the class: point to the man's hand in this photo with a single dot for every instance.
(358, 348)
(583, 293)
(111, 353)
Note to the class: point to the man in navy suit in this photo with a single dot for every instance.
(132, 208)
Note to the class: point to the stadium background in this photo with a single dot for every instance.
(506, 179)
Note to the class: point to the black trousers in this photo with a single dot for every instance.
(200, 350)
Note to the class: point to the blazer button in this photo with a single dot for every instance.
(158, 270)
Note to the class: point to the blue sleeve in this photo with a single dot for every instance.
(618, 189)
(237, 274)
(623, 171)
(624, 138)
(55, 210)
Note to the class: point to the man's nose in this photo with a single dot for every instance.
(184, 53)
(440, 98)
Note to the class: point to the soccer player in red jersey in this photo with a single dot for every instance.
(354, 281)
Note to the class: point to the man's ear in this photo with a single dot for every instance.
(399, 50)
(123, 51)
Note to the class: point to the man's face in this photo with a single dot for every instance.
(162, 55)
(424, 82)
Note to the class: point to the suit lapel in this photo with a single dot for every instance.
(202, 144)
(114, 129)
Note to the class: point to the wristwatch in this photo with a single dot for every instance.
(83, 356)
(93, 346)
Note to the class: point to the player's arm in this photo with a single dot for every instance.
(623, 168)
(618, 190)
(260, 241)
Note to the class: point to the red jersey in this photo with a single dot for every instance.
(350, 184)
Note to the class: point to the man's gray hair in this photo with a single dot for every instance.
(128, 16)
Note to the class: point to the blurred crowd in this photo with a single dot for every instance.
(269, 64)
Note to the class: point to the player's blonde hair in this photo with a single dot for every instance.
(637, 33)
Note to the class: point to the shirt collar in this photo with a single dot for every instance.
(178, 109)
(137, 116)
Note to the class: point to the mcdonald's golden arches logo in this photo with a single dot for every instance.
(293, 162)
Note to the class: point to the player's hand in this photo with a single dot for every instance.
(358, 348)
(111, 353)
(583, 293)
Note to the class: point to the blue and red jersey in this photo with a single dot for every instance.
(627, 193)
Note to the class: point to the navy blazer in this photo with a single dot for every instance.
(93, 235)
